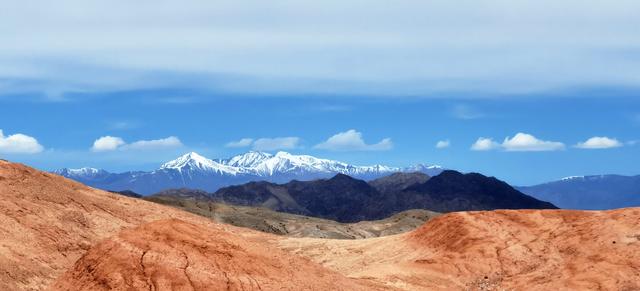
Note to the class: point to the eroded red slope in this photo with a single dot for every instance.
(495, 250)
(176, 255)
(47, 223)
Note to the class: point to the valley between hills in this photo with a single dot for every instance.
(58, 234)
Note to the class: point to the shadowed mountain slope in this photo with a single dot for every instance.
(346, 199)
(340, 198)
(282, 223)
(398, 181)
(454, 191)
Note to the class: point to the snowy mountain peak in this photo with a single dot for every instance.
(249, 159)
(283, 154)
(192, 170)
(426, 167)
(81, 172)
(194, 162)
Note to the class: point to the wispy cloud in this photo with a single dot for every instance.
(443, 144)
(163, 143)
(112, 143)
(412, 48)
(351, 140)
(266, 143)
(463, 111)
(244, 142)
(277, 143)
(123, 125)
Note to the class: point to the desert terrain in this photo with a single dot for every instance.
(61, 235)
(495, 250)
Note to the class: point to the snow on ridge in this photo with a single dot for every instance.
(264, 164)
(249, 159)
(195, 162)
(84, 171)
(569, 178)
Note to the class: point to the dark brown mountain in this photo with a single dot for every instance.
(340, 198)
(398, 181)
(454, 191)
(345, 199)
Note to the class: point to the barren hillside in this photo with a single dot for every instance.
(510, 249)
(176, 255)
(48, 222)
(56, 230)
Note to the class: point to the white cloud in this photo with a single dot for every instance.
(442, 144)
(278, 143)
(107, 143)
(111, 143)
(19, 144)
(351, 140)
(524, 142)
(484, 144)
(245, 142)
(409, 48)
(599, 142)
(169, 142)
(521, 142)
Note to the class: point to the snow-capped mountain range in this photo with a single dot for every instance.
(195, 171)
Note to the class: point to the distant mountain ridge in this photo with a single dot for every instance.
(595, 192)
(195, 171)
(346, 199)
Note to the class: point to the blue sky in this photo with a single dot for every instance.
(363, 82)
(67, 131)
